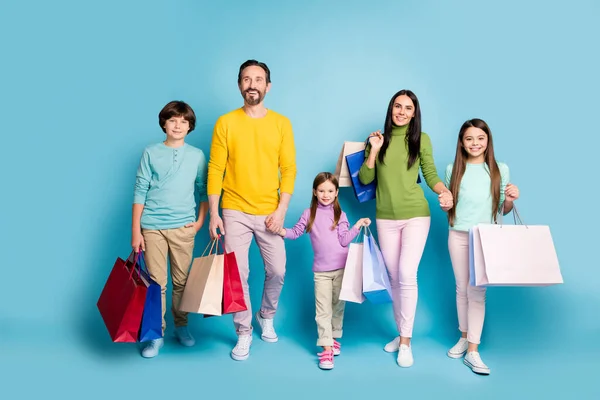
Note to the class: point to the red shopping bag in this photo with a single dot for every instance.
(121, 303)
(233, 293)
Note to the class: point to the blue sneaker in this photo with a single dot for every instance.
(184, 336)
(152, 348)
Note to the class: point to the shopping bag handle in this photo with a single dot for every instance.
(142, 263)
(382, 131)
(222, 245)
(210, 244)
(360, 233)
(367, 229)
(516, 216)
(135, 262)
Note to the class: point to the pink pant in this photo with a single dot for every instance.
(402, 243)
(470, 300)
(239, 230)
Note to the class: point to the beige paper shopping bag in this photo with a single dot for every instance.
(203, 293)
(352, 282)
(341, 169)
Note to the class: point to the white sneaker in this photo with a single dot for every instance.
(392, 346)
(241, 351)
(473, 361)
(459, 349)
(268, 332)
(151, 349)
(405, 357)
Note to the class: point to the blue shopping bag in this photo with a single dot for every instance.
(376, 282)
(363, 192)
(151, 327)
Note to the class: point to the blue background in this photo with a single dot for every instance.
(82, 84)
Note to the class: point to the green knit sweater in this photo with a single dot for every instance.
(399, 196)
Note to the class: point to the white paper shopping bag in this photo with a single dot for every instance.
(514, 255)
(352, 282)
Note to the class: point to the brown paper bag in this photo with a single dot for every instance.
(203, 293)
(341, 169)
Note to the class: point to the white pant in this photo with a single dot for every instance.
(470, 300)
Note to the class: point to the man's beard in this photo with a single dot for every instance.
(253, 100)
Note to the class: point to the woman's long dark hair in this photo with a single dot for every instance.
(337, 209)
(460, 165)
(413, 133)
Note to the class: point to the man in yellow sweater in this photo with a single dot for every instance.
(253, 165)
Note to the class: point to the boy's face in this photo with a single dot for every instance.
(177, 128)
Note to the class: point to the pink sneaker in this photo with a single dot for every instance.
(337, 348)
(326, 359)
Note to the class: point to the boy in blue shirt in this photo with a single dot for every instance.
(164, 221)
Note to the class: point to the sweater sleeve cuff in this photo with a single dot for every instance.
(139, 199)
(354, 233)
(212, 189)
(434, 182)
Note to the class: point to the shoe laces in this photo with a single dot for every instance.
(268, 326)
(337, 345)
(474, 355)
(243, 342)
(460, 344)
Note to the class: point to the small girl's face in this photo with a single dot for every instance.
(475, 142)
(326, 193)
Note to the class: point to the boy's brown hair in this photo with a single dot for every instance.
(177, 109)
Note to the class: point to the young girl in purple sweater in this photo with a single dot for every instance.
(330, 235)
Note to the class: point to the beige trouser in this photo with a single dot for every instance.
(329, 307)
(178, 244)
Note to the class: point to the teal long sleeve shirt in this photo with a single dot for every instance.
(165, 184)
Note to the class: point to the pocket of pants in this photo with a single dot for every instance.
(187, 232)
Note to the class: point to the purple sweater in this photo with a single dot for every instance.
(330, 247)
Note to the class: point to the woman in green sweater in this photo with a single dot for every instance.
(402, 212)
